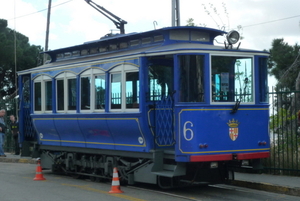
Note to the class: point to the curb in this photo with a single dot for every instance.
(18, 160)
(267, 187)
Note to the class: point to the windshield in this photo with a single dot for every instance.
(232, 79)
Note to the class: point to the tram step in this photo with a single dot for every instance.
(171, 170)
(164, 173)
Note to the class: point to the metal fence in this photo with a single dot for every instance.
(284, 133)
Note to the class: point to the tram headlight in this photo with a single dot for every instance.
(214, 165)
(245, 163)
(233, 37)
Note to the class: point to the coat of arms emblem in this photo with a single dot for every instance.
(233, 129)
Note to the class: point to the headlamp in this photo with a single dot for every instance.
(233, 37)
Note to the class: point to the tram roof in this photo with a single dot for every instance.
(163, 46)
(120, 42)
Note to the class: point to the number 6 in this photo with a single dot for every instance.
(185, 130)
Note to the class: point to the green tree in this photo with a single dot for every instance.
(190, 22)
(27, 56)
(283, 63)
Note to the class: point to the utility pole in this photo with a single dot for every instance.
(175, 13)
(47, 29)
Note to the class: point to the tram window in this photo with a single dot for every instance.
(124, 88)
(160, 78)
(263, 79)
(94, 50)
(116, 91)
(26, 89)
(113, 47)
(134, 42)
(85, 89)
(158, 38)
(48, 95)
(132, 90)
(146, 40)
(123, 45)
(199, 36)
(72, 98)
(191, 78)
(232, 79)
(179, 35)
(103, 49)
(60, 95)
(37, 96)
(84, 52)
(99, 91)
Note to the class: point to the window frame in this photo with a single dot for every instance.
(250, 56)
(92, 73)
(42, 79)
(123, 70)
(204, 75)
(65, 76)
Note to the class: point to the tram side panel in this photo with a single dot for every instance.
(114, 132)
(206, 135)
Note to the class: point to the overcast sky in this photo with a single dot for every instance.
(74, 22)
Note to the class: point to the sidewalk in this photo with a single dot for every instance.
(11, 158)
(272, 183)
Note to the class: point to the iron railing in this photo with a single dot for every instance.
(284, 133)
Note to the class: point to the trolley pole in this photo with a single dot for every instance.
(47, 30)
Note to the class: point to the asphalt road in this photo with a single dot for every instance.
(16, 183)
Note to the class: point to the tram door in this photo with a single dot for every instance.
(27, 132)
(160, 85)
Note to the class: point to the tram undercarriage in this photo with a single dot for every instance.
(132, 170)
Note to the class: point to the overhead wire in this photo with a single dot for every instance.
(40, 10)
(272, 21)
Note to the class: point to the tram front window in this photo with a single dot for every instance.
(232, 79)
(191, 78)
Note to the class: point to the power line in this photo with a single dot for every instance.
(271, 21)
(40, 10)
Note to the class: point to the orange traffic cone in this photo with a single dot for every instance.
(39, 175)
(115, 186)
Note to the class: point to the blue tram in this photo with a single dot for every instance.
(166, 107)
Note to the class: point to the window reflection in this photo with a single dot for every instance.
(232, 79)
(160, 78)
(191, 78)
(99, 91)
(85, 88)
(116, 91)
(48, 93)
(72, 98)
(60, 95)
(132, 90)
(37, 96)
